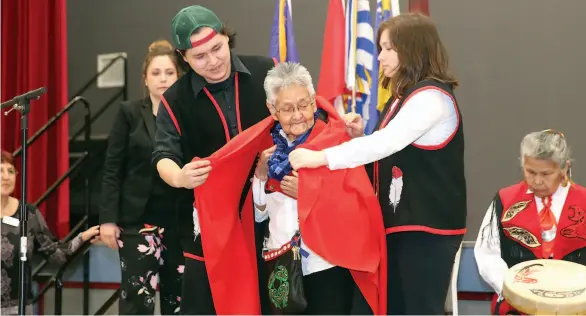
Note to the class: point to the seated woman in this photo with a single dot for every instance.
(546, 196)
(40, 239)
(291, 100)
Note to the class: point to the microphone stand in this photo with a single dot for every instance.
(21, 103)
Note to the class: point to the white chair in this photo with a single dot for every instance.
(455, 282)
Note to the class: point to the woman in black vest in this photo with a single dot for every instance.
(221, 95)
(136, 206)
(418, 155)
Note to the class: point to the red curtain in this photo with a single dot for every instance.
(421, 6)
(34, 54)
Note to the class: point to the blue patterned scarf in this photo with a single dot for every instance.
(278, 163)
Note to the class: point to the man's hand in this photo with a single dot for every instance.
(262, 168)
(289, 184)
(193, 174)
(354, 124)
(109, 234)
(305, 158)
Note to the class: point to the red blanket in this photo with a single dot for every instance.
(339, 215)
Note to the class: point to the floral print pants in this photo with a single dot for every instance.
(150, 258)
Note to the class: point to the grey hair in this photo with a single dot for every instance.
(546, 145)
(284, 75)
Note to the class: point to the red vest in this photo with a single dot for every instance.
(520, 220)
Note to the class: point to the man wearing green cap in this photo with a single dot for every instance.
(220, 96)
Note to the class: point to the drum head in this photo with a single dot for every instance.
(551, 287)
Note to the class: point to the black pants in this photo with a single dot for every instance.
(418, 276)
(329, 292)
(419, 272)
(196, 293)
(150, 257)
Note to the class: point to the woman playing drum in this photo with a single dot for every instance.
(542, 217)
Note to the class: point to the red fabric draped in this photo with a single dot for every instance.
(421, 6)
(34, 55)
(339, 216)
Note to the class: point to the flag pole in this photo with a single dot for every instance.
(353, 47)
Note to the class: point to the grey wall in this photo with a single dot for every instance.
(519, 62)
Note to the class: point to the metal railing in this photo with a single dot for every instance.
(83, 224)
(123, 92)
(57, 279)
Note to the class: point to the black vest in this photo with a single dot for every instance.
(433, 188)
(513, 253)
(202, 126)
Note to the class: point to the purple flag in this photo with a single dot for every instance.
(283, 43)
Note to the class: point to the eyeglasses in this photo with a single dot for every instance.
(289, 110)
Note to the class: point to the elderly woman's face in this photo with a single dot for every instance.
(543, 176)
(294, 109)
(8, 178)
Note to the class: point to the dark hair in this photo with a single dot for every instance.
(421, 53)
(7, 158)
(160, 48)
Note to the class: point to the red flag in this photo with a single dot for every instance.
(331, 75)
(421, 6)
(339, 215)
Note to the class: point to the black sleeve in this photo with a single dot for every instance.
(167, 139)
(114, 167)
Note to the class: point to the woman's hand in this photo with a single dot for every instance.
(305, 158)
(109, 234)
(262, 168)
(289, 184)
(354, 124)
(91, 233)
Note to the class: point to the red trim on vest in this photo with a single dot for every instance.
(171, 114)
(219, 110)
(418, 228)
(384, 122)
(204, 40)
(449, 139)
(523, 220)
(426, 229)
(237, 103)
(192, 256)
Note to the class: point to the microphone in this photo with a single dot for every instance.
(34, 94)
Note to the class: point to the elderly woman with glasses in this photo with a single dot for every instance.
(535, 218)
(314, 236)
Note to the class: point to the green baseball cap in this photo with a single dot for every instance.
(190, 19)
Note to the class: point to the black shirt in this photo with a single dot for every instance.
(156, 209)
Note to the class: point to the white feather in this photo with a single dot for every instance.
(395, 191)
